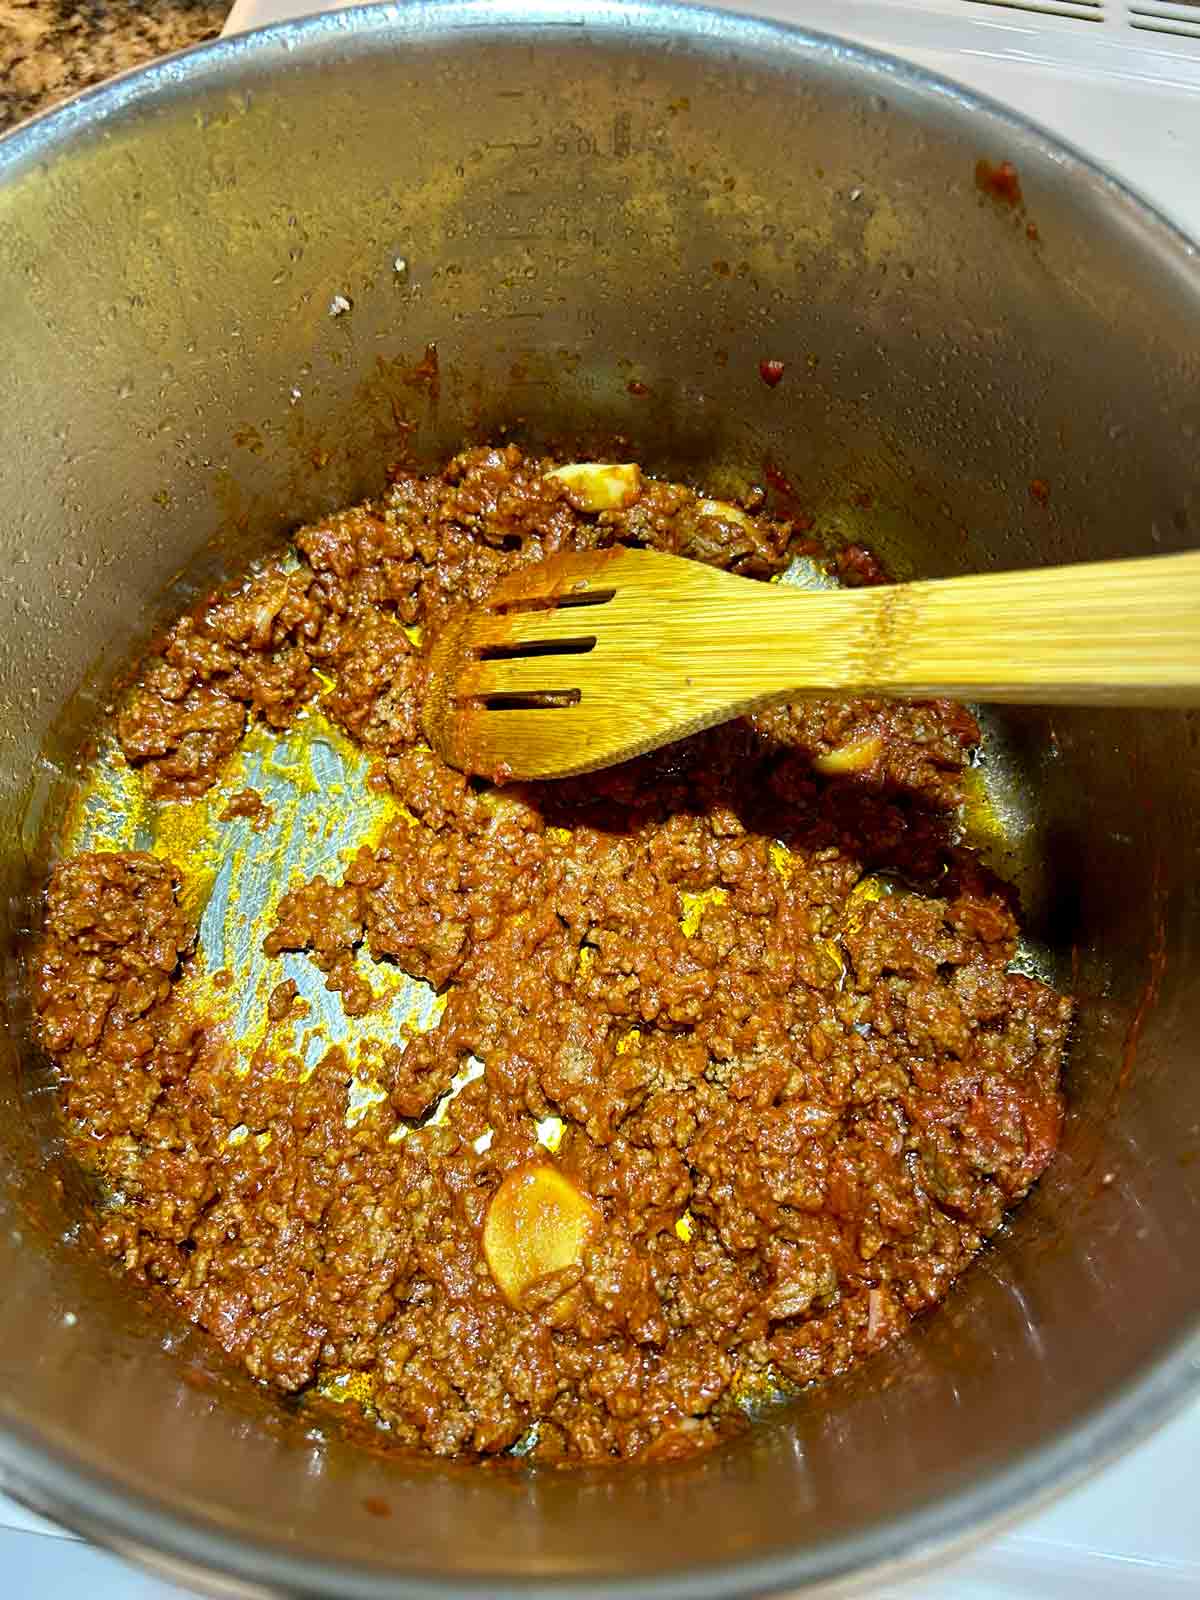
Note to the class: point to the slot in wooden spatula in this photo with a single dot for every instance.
(585, 660)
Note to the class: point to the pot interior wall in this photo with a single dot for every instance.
(238, 285)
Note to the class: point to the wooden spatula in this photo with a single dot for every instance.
(585, 660)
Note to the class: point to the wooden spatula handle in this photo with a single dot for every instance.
(1121, 631)
(665, 647)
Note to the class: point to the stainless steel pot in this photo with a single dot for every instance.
(567, 201)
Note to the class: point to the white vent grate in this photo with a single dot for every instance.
(1077, 10)
(1176, 19)
(1181, 19)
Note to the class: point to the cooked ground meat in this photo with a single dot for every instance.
(248, 803)
(763, 989)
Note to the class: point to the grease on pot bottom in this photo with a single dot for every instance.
(571, 1120)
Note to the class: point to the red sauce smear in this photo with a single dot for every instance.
(999, 181)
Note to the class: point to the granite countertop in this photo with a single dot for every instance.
(51, 48)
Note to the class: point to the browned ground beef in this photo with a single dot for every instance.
(830, 1075)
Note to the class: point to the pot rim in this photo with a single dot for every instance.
(42, 1474)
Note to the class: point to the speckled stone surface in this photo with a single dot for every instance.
(51, 48)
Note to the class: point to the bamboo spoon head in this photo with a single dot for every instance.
(590, 659)
(574, 664)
